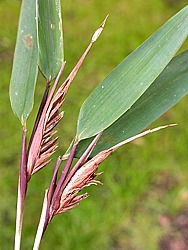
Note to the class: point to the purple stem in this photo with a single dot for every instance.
(51, 192)
(56, 82)
(54, 179)
(57, 193)
(22, 188)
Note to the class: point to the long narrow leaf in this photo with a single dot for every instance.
(24, 71)
(130, 79)
(166, 91)
(50, 38)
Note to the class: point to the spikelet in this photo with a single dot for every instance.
(83, 177)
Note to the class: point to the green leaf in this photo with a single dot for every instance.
(50, 38)
(130, 79)
(166, 91)
(24, 71)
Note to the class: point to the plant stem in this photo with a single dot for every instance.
(22, 188)
(41, 228)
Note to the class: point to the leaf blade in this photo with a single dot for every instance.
(133, 75)
(50, 38)
(170, 86)
(25, 68)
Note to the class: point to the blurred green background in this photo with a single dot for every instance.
(145, 187)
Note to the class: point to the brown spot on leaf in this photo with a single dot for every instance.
(28, 41)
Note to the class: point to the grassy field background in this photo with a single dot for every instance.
(145, 183)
